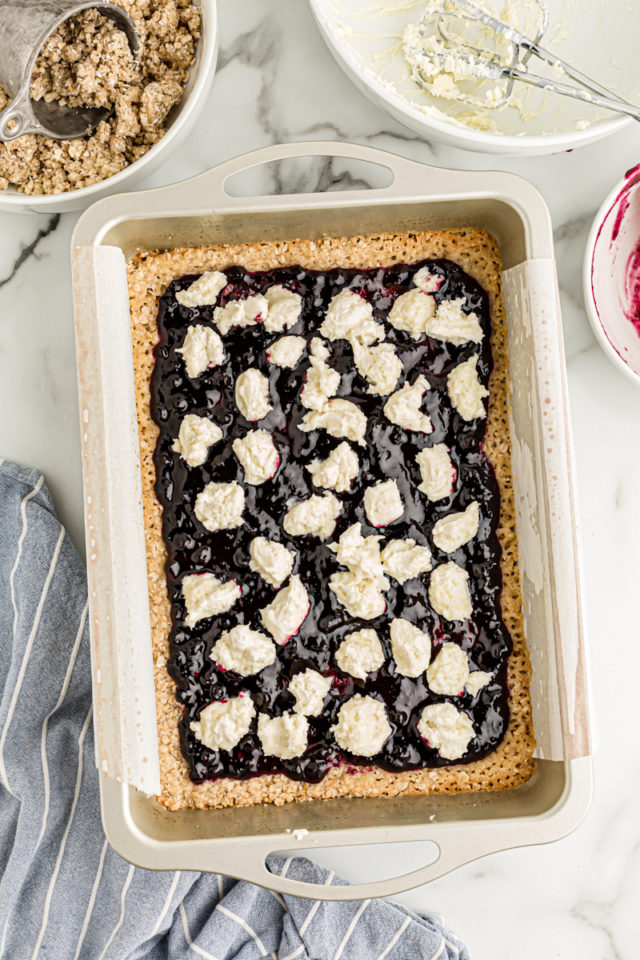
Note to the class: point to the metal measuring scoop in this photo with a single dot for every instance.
(25, 25)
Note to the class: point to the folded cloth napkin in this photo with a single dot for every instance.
(64, 893)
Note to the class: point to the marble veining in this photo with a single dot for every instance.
(277, 82)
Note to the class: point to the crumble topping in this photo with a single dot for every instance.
(258, 456)
(205, 596)
(362, 726)
(404, 407)
(243, 650)
(360, 653)
(271, 560)
(224, 723)
(194, 438)
(411, 648)
(220, 506)
(252, 395)
(339, 469)
(286, 352)
(284, 616)
(310, 689)
(202, 349)
(204, 291)
(446, 729)
(437, 472)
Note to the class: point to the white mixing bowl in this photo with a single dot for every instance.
(599, 38)
(612, 275)
(182, 119)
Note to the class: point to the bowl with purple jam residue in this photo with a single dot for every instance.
(612, 275)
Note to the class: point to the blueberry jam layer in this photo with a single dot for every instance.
(390, 452)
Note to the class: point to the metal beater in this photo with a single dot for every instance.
(25, 25)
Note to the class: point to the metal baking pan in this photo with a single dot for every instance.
(237, 841)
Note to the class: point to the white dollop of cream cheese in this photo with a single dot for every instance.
(286, 613)
(319, 348)
(338, 471)
(413, 312)
(258, 456)
(309, 688)
(252, 394)
(286, 352)
(449, 593)
(362, 727)
(241, 313)
(284, 737)
(449, 671)
(405, 559)
(350, 317)
(284, 308)
(465, 390)
(404, 407)
(206, 596)
(223, 724)
(340, 418)
(360, 588)
(446, 729)
(204, 291)
(477, 680)
(194, 438)
(360, 653)
(437, 472)
(202, 348)
(314, 517)
(219, 506)
(411, 648)
(380, 366)
(382, 503)
(452, 325)
(321, 384)
(271, 560)
(425, 280)
(243, 650)
(456, 529)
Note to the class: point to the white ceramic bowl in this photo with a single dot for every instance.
(600, 38)
(182, 120)
(612, 275)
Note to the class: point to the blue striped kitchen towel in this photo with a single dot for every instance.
(64, 893)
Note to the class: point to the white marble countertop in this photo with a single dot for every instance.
(576, 899)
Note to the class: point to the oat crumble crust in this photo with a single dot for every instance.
(476, 252)
(87, 61)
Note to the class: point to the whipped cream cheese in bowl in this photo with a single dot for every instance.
(366, 38)
(612, 275)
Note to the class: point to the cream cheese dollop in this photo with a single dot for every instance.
(449, 671)
(449, 593)
(252, 394)
(350, 317)
(206, 596)
(321, 384)
(286, 352)
(219, 506)
(271, 560)
(411, 648)
(437, 472)
(340, 418)
(362, 727)
(243, 650)
(446, 729)
(382, 503)
(405, 559)
(258, 456)
(380, 366)
(284, 737)
(195, 436)
(413, 312)
(360, 653)
(404, 407)
(452, 325)
(284, 308)
(465, 390)
(223, 724)
(456, 529)
(286, 613)
(202, 348)
(338, 471)
(204, 291)
(240, 313)
(310, 689)
(315, 517)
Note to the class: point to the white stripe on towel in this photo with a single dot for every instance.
(12, 576)
(394, 938)
(65, 835)
(167, 903)
(187, 936)
(245, 926)
(92, 900)
(123, 895)
(361, 909)
(27, 654)
(45, 725)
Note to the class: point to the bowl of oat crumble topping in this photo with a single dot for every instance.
(153, 100)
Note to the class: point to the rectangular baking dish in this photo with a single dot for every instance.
(236, 842)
